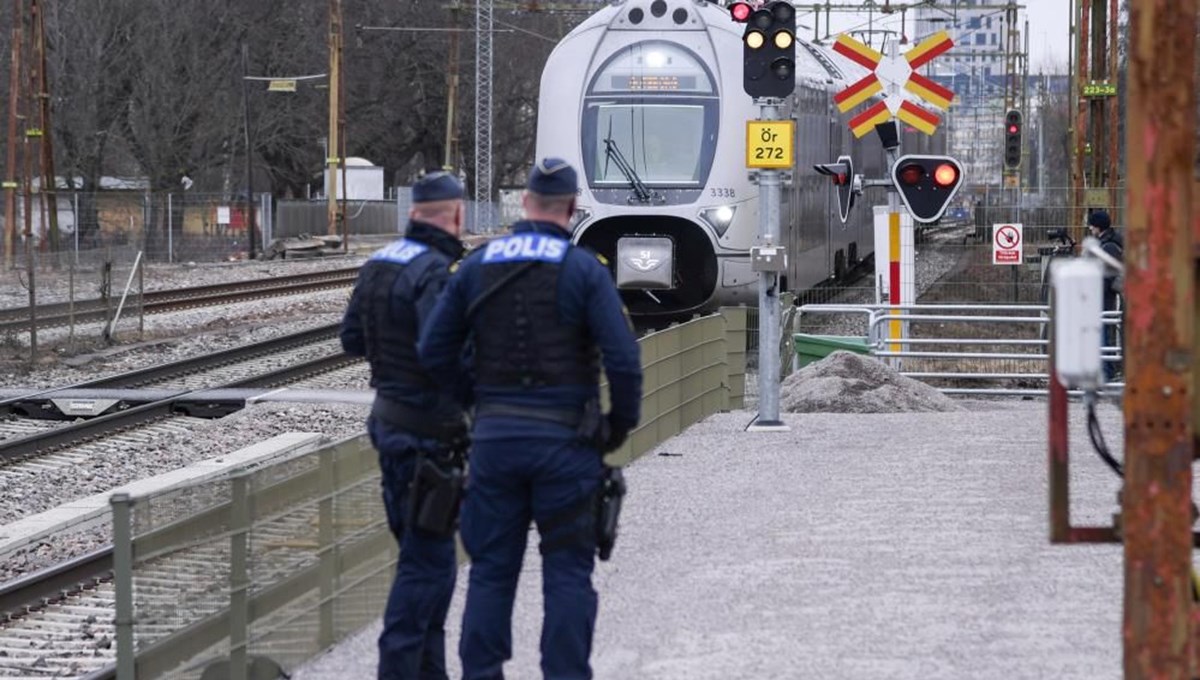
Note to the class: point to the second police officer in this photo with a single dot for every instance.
(543, 315)
(395, 291)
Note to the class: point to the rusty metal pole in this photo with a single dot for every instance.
(1080, 110)
(1112, 103)
(11, 185)
(1060, 450)
(31, 133)
(1160, 340)
(49, 182)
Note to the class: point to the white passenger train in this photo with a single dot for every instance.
(645, 97)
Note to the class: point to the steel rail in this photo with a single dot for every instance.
(83, 431)
(15, 319)
(182, 367)
(53, 583)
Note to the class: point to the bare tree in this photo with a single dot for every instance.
(90, 52)
(153, 88)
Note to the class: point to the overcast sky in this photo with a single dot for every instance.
(1049, 22)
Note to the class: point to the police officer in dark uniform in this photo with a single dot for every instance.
(1100, 226)
(391, 302)
(542, 315)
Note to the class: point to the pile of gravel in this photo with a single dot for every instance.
(845, 382)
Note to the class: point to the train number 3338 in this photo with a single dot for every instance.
(769, 143)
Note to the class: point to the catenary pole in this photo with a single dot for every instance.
(11, 185)
(1160, 341)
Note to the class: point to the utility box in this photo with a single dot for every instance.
(1078, 321)
(768, 259)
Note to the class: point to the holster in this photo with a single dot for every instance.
(593, 426)
(436, 492)
(608, 510)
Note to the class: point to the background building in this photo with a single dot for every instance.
(975, 71)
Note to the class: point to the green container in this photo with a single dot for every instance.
(810, 348)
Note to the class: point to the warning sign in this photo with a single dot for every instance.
(1007, 242)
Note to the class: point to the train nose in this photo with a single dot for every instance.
(646, 262)
(663, 264)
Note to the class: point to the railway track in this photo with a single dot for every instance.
(60, 622)
(193, 373)
(16, 319)
(82, 432)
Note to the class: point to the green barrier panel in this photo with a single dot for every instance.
(810, 348)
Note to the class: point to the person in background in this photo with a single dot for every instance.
(1100, 227)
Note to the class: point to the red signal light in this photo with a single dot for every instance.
(1013, 129)
(740, 11)
(911, 174)
(945, 175)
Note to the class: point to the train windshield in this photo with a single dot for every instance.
(652, 108)
(660, 141)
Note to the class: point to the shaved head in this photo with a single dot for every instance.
(447, 214)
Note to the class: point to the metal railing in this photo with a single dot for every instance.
(966, 349)
(279, 562)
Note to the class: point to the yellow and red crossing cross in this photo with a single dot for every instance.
(859, 52)
(927, 49)
(897, 75)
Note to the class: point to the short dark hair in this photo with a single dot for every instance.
(1100, 220)
(557, 203)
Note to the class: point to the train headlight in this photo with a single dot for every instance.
(719, 218)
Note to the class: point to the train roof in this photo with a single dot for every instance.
(815, 63)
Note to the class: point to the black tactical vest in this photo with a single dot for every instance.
(520, 339)
(390, 323)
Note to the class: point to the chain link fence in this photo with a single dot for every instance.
(193, 227)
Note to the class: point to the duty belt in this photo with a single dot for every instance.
(420, 422)
(570, 419)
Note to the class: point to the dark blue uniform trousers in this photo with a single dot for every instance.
(413, 643)
(511, 482)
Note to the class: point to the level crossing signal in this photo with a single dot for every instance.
(842, 173)
(768, 48)
(1012, 139)
(927, 184)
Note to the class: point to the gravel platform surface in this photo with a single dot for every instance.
(910, 545)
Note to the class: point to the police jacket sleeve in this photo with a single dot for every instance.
(444, 331)
(613, 333)
(351, 334)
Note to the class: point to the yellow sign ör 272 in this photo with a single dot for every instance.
(769, 143)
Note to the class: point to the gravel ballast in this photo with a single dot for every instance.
(200, 440)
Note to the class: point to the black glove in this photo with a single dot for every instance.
(615, 433)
